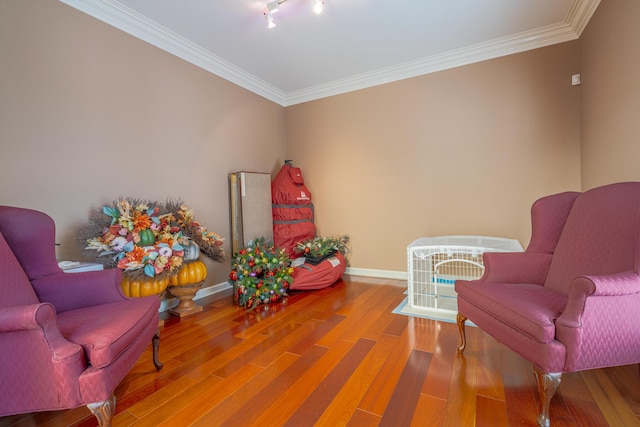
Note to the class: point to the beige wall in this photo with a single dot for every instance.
(464, 151)
(89, 114)
(611, 94)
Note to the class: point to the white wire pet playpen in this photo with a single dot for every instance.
(435, 263)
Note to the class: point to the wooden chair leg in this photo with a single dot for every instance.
(547, 385)
(460, 319)
(156, 347)
(104, 411)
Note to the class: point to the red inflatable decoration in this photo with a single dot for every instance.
(293, 223)
(308, 277)
(292, 209)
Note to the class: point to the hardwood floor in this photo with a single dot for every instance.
(339, 356)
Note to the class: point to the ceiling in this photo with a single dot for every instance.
(352, 45)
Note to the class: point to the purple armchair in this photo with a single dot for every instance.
(66, 339)
(569, 302)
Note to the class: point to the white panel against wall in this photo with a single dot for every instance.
(250, 196)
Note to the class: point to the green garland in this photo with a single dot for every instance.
(321, 246)
(260, 274)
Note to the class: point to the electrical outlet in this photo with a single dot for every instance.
(575, 79)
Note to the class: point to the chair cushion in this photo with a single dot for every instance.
(105, 331)
(530, 309)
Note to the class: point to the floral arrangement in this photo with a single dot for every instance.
(260, 274)
(320, 246)
(210, 243)
(148, 239)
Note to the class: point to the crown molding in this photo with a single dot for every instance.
(580, 14)
(123, 18)
(570, 29)
(468, 55)
(131, 22)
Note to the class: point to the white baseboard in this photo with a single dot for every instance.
(167, 304)
(382, 274)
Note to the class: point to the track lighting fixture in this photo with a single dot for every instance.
(273, 6)
(318, 5)
(269, 18)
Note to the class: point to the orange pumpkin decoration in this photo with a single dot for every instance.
(143, 288)
(189, 274)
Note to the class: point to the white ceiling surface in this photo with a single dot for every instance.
(352, 45)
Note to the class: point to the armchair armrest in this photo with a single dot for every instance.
(78, 290)
(516, 267)
(582, 287)
(37, 364)
(22, 317)
(41, 317)
(596, 306)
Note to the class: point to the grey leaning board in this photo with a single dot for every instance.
(250, 203)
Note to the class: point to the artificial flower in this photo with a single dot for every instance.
(117, 244)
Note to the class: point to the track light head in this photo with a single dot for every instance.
(273, 6)
(318, 5)
(269, 18)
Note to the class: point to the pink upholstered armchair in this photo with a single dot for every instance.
(66, 339)
(570, 301)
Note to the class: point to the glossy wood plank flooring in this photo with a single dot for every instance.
(340, 357)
